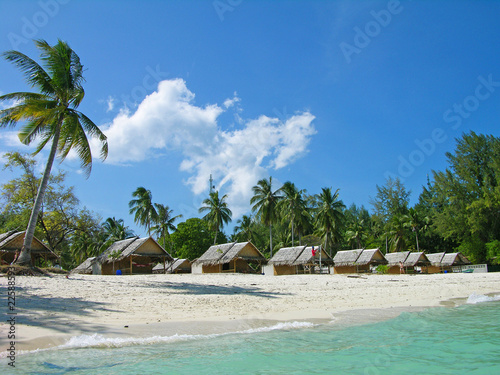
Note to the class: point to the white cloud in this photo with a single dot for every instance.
(168, 120)
(111, 103)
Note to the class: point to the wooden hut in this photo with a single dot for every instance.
(176, 266)
(85, 267)
(230, 257)
(345, 261)
(359, 260)
(133, 255)
(282, 263)
(297, 260)
(12, 241)
(444, 262)
(408, 261)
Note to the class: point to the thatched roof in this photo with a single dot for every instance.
(435, 258)
(306, 257)
(85, 267)
(394, 259)
(224, 253)
(455, 259)
(359, 257)
(347, 257)
(371, 256)
(133, 246)
(13, 241)
(286, 256)
(417, 259)
(171, 267)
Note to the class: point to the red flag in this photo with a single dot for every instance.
(314, 251)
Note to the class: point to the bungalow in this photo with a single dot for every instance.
(230, 257)
(444, 262)
(298, 259)
(359, 260)
(133, 255)
(13, 241)
(176, 266)
(407, 260)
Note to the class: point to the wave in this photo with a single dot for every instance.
(97, 340)
(475, 298)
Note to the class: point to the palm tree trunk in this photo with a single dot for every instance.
(292, 235)
(416, 235)
(271, 239)
(25, 255)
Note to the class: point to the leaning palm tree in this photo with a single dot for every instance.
(265, 203)
(142, 207)
(50, 116)
(164, 222)
(218, 212)
(329, 215)
(292, 205)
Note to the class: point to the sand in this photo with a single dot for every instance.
(52, 309)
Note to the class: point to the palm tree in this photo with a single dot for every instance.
(415, 222)
(397, 233)
(265, 202)
(329, 215)
(218, 212)
(244, 228)
(143, 208)
(292, 205)
(116, 230)
(355, 234)
(164, 222)
(51, 116)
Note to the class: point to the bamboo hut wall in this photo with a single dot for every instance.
(349, 269)
(285, 270)
(216, 268)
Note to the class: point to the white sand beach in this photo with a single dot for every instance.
(52, 309)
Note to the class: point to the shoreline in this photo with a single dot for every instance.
(52, 310)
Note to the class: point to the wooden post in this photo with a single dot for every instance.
(131, 264)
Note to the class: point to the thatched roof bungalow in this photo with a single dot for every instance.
(133, 255)
(295, 260)
(407, 261)
(230, 257)
(12, 241)
(359, 260)
(443, 262)
(176, 266)
(85, 267)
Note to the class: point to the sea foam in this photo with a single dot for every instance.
(100, 341)
(475, 298)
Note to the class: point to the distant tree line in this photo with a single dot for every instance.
(457, 210)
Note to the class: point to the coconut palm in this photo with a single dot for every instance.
(50, 116)
(265, 202)
(218, 212)
(244, 228)
(142, 207)
(164, 222)
(329, 215)
(116, 230)
(415, 222)
(292, 205)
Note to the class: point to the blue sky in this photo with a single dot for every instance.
(334, 94)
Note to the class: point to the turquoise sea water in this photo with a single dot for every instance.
(459, 340)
